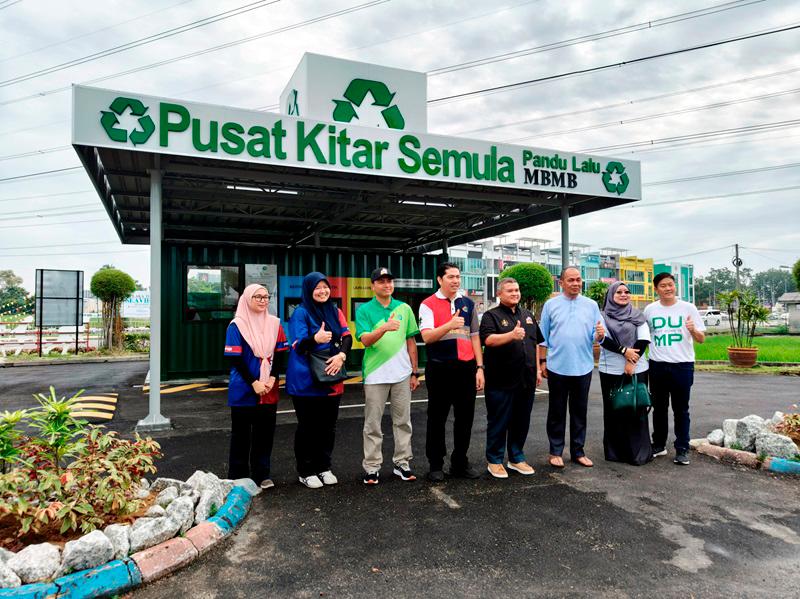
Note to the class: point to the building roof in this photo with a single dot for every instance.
(791, 297)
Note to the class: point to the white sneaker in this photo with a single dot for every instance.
(328, 477)
(312, 482)
(267, 483)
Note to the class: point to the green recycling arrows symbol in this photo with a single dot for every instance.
(110, 120)
(354, 95)
(618, 188)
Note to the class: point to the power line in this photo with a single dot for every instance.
(774, 167)
(57, 171)
(658, 115)
(59, 244)
(35, 153)
(140, 42)
(714, 197)
(224, 46)
(509, 86)
(9, 3)
(746, 130)
(724, 247)
(77, 37)
(594, 36)
(61, 254)
(69, 213)
(771, 249)
(69, 222)
(46, 195)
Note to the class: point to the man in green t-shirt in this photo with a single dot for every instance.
(387, 328)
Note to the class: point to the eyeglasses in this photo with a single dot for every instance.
(261, 298)
(621, 292)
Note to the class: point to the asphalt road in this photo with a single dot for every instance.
(707, 530)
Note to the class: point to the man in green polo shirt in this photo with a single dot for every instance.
(387, 327)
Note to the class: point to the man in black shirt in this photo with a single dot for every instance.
(511, 335)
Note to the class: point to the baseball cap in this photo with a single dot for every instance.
(379, 272)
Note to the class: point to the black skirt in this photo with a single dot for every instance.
(626, 435)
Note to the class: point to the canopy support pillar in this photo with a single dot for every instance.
(564, 235)
(154, 420)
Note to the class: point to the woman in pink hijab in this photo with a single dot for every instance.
(253, 342)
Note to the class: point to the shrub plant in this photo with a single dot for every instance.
(67, 475)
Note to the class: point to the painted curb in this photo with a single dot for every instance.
(120, 576)
(782, 466)
(726, 454)
(57, 362)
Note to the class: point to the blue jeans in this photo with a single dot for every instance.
(671, 381)
(508, 415)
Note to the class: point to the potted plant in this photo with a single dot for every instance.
(744, 313)
(597, 291)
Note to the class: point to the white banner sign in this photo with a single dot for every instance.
(113, 119)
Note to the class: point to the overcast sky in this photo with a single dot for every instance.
(741, 96)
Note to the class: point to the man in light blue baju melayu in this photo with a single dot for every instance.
(570, 324)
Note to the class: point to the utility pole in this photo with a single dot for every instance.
(737, 262)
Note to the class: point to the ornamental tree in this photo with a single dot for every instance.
(112, 287)
(535, 284)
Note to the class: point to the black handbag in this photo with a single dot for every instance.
(630, 396)
(317, 363)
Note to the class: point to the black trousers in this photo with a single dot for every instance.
(316, 432)
(626, 435)
(572, 391)
(252, 434)
(449, 384)
(671, 381)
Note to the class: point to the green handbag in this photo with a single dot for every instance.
(632, 395)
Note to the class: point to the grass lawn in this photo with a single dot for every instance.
(777, 348)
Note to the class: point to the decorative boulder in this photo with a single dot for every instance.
(716, 437)
(192, 494)
(144, 484)
(779, 446)
(91, 550)
(210, 500)
(166, 496)
(36, 562)
(227, 486)
(181, 510)
(729, 431)
(746, 430)
(147, 532)
(5, 555)
(8, 578)
(202, 481)
(118, 535)
(160, 484)
(156, 511)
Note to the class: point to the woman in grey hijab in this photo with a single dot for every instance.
(626, 435)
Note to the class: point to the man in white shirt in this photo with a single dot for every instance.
(675, 326)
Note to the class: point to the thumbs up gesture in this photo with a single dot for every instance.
(392, 324)
(690, 324)
(322, 336)
(518, 332)
(599, 331)
(457, 321)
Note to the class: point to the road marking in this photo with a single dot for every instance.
(444, 497)
(92, 414)
(177, 389)
(102, 398)
(82, 405)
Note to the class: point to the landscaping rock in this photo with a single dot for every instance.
(156, 511)
(193, 494)
(166, 496)
(210, 500)
(746, 430)
(118, 535)
(182, 511)
(8, 578)
(772, 444)
(777, 418)
(144, 484)
(5, 555)
(141, 494)
(36, 563)
(147, 532)
(89, 551)
(248, 485)
(227, 486)
(201, 481)
(729, 430)
(716, 437)
(160, 484)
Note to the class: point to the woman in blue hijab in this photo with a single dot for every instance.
(318, 327)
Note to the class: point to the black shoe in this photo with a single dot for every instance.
(682, 458)
(404, 473)
(465, 472)
(659, 451)
(436, 476)
(371, 478)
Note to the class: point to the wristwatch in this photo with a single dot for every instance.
(416, 374)
(481, 366)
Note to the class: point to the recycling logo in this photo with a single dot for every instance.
(354, 95)
(619, 168)
(110, 119)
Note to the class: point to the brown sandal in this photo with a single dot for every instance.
(556, 461)
(584, 461)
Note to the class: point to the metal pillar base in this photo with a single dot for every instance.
(153, 422)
